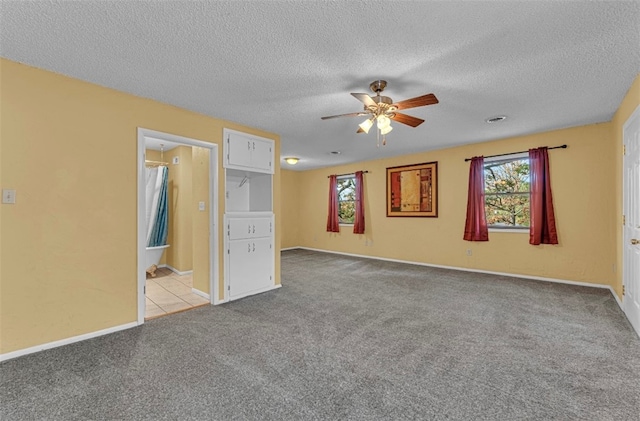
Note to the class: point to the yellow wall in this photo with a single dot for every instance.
(629, 104)
(200, 220)
(69, 245)
(290, 209)
(582, 180)
(179, 254)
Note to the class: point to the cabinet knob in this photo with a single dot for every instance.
(254, 229)
(254, 246)
(249, 247)
(635, 241)
(249, 229)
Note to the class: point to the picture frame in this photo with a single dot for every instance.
(412, 190)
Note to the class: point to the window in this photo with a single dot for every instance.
(507, 192)
(346, 198)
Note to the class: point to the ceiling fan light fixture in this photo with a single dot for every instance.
(292, 160)
(386, 129)
(383, 121)
(366, 125)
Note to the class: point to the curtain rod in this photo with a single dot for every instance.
(340, 175)
(155, 163)
(513, 153)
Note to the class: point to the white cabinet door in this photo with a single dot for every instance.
(250, 266)
(262, 155)
(261, 227)
(239, 228)
(239, 149)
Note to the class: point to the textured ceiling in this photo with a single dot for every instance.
(281, 65)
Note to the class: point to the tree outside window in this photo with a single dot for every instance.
(346, 199)
(507, 190)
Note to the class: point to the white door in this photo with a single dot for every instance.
(631, 234)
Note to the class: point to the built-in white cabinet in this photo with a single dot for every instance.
(250, 255)
(245, 151)
(249, 220)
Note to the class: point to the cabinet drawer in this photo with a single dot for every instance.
(240, 228)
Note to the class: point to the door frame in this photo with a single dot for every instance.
(625, 306)
(214, 263)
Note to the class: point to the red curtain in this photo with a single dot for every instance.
(475, 228)
(542, 229)
(333, 224)
(358, 223)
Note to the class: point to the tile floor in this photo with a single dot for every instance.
(170, 293)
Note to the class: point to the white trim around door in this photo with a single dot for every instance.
(214, 263)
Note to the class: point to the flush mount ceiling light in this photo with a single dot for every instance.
(496, 119)
(292, 160)
(381, 110)
(335, 152)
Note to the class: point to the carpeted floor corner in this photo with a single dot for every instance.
(347, 338)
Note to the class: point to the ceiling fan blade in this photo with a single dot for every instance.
(419, 101)
(365, 99)
(344, 115)
(407, 119)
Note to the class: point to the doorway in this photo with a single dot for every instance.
(191, 265)
(631, 227)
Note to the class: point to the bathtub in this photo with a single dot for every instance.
(153, 256)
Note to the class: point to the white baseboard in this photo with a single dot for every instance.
(513, 275)
(62, 342)
(200, 293)
(254, 292)
(174, 270)
(289, 248)
(618, 301)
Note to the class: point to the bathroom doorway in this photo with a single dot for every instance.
(180, 271)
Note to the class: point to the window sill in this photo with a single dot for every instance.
(345, 224)
(510, 230)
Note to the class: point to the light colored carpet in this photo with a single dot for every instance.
(349, 338)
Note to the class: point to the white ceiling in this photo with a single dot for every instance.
(281, 65)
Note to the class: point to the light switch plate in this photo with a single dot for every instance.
(176, 160)
(9, 196)
(201, 206)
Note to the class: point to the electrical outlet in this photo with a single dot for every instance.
(469, 252)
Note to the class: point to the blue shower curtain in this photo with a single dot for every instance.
(159, 231)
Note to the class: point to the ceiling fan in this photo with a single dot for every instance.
(381, 110)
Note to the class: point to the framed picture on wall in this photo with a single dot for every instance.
(412, 190)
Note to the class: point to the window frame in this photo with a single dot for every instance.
(505, 159)
(345, 177)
